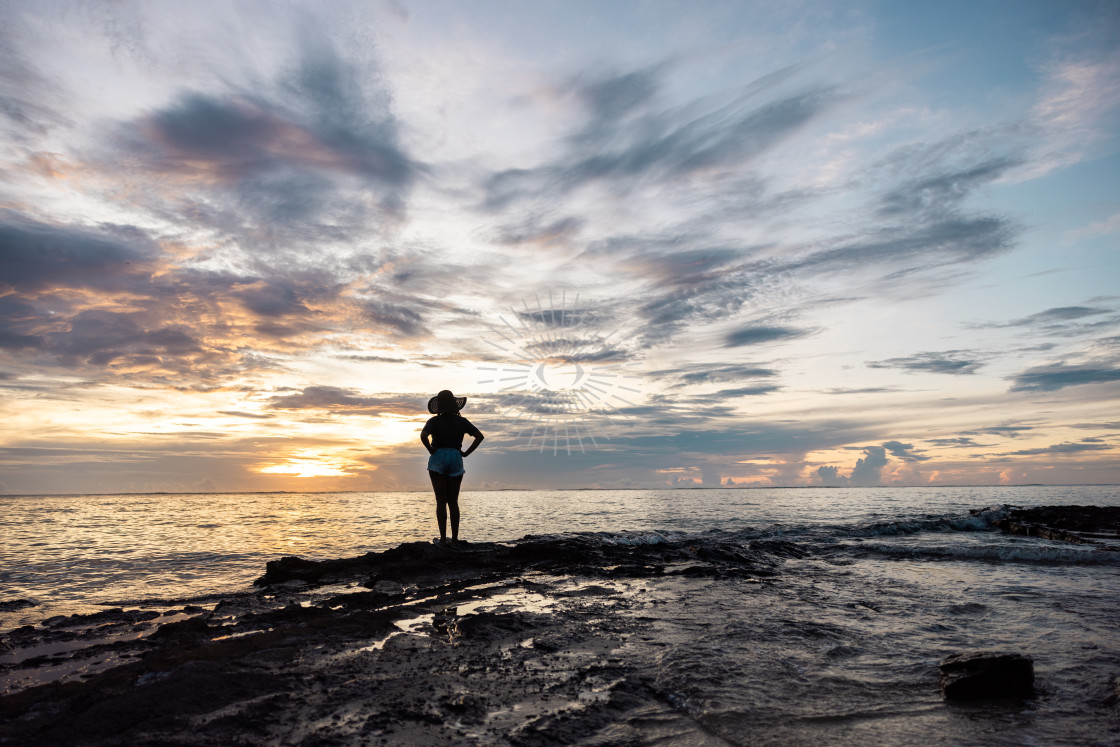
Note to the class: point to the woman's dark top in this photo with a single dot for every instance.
(447, 431)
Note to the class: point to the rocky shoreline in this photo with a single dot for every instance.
(546, 640)
(516, 643)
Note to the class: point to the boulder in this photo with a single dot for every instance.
(981, 675)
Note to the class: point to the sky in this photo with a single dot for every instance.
(655, 244)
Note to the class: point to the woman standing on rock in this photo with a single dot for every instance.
(445, 465)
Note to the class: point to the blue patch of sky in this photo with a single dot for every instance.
(981, 50)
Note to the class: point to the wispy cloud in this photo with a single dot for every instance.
(1063, 448)
(758, 335)
(1049, 378)
(956, 362)
(342, 401)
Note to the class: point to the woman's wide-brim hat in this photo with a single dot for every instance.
(444, 402)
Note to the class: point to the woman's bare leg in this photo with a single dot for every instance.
(453, 485)
(447, 497)
(439, 486)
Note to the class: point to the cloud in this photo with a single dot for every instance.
(958, 362)
(396, 317)
(313, 156)
(1007, 431)
(39, 256)
(941, 192)
(869, 468)
(689, 374)
(347, 401)
(1050, 378)
(1065, 448)
(903, 451)
(724, 395)
(958, 441)
(534, 230)
(627, 138)
(29, 99)
(830, 476)
(756, 335)
(1058, 314)
(1061, 321)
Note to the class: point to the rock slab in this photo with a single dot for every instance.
(982, 675)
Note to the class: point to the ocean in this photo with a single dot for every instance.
(871, 588)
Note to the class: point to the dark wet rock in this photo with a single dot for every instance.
(116, 615)
(183, 631)
(494, 626)
(466, 707)
(585, 554)
(14, 605)
(1077, 524)
(983, 675)
(125, 704)
(363, 600)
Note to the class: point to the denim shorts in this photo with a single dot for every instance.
(446, 461)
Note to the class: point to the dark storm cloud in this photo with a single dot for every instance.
(1064, 448)
(1057, 376)
(347, 401)
(757, 335)
(958, 362)
(903, 451)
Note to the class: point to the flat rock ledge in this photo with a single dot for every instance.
(986, 675)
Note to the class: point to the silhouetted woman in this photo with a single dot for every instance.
(445, 465)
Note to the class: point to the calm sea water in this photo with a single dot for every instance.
(78, 553)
